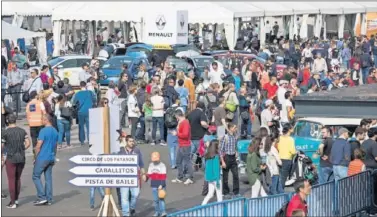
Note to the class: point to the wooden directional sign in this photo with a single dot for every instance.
(108, 182)
(105, 159)
(105, 170)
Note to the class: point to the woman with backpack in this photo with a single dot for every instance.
(212, 172)
(254, 169)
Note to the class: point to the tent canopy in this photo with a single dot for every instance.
(23, 9)
(13, 32)
(99, 11)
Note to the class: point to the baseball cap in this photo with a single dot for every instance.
(155, 156)
(342, 131)
(268, 102)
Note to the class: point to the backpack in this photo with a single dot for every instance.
(170, 119)
(282, 212)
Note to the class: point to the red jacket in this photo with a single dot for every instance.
(371, 80)
(305, 77)
(184, 134)
(271, 90)
(296, 203)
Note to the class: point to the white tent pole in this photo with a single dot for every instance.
(341, 22)
(262, 30)
(363, 23)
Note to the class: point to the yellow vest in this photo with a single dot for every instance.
(34, 113)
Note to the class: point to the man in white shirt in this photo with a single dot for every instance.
(105, 35)
(307, 53)
(286, 108)
(266, 115)
(320, 66)
(158, 117)
(84, 75)
(215, 74)
(35, 82)
(282, 90)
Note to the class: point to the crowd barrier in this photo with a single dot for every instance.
(343, 197)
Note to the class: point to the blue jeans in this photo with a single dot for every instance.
(365, 73)
(322, 75)
(275, 187)
(194, 146)
(160, 121)
(43, 166)
(284, 172)
(140, 135)
(325, 175)
(346, 64)
(91, 194)
(172, 144)
(375, 60)
(184, 162)
(159, 204)
(126, 205)
(64, 127)
(340, 171)
(249, 127)
(83, 121)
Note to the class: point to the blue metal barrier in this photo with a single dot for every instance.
(320, 201)
(227, 208)
(257, 206)
(344, 197)
(353, 194)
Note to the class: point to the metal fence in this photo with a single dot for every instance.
(344, 197)
(353, 194)
(320, 200)
(228, 208)
(257, 206)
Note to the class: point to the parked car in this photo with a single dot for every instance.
(113, 67)
(69, 66)
(307, 133)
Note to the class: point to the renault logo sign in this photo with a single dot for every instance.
(182, 22)
(160, 22)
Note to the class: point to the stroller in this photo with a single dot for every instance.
(302, 167)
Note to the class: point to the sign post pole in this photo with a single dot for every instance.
(108, 207)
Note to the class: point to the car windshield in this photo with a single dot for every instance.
(307, 129)
(178, 63)
(53, 62)
(116, 63)
(202, 62)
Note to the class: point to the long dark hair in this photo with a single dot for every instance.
(61, 99)
(262, 133)
(269, 142)
(254, 145)
(213, 149)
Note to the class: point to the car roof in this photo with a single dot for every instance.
(334, 121)
(201, 57)
(69, 57)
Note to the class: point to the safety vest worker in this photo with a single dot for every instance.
(35, 110)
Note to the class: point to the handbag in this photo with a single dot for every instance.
(26, 95)
(245, 115)
(230, 105)
(66, 112)
(229, 115)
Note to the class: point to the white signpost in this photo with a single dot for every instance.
(105, 171)
(108, 182)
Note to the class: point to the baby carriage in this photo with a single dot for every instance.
(302, 167)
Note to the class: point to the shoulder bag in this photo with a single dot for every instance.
(230, 105)
(26, 95)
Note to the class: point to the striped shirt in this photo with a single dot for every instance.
(13, 139)
(157, 174)
(228, 145)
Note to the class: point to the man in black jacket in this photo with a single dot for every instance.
(357, 140)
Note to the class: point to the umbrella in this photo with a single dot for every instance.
(187, 53)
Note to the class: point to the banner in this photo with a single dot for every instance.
(169, 27)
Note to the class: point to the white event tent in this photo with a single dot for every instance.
(227, 13)
(11, 32)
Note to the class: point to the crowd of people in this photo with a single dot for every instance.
(199, 123)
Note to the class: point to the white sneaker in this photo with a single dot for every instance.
(153, 143)
(163, 144)
(176, 180)
(188, 181)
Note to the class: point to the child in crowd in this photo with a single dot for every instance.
(157, 175)
(213, 172)
(356, 166)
